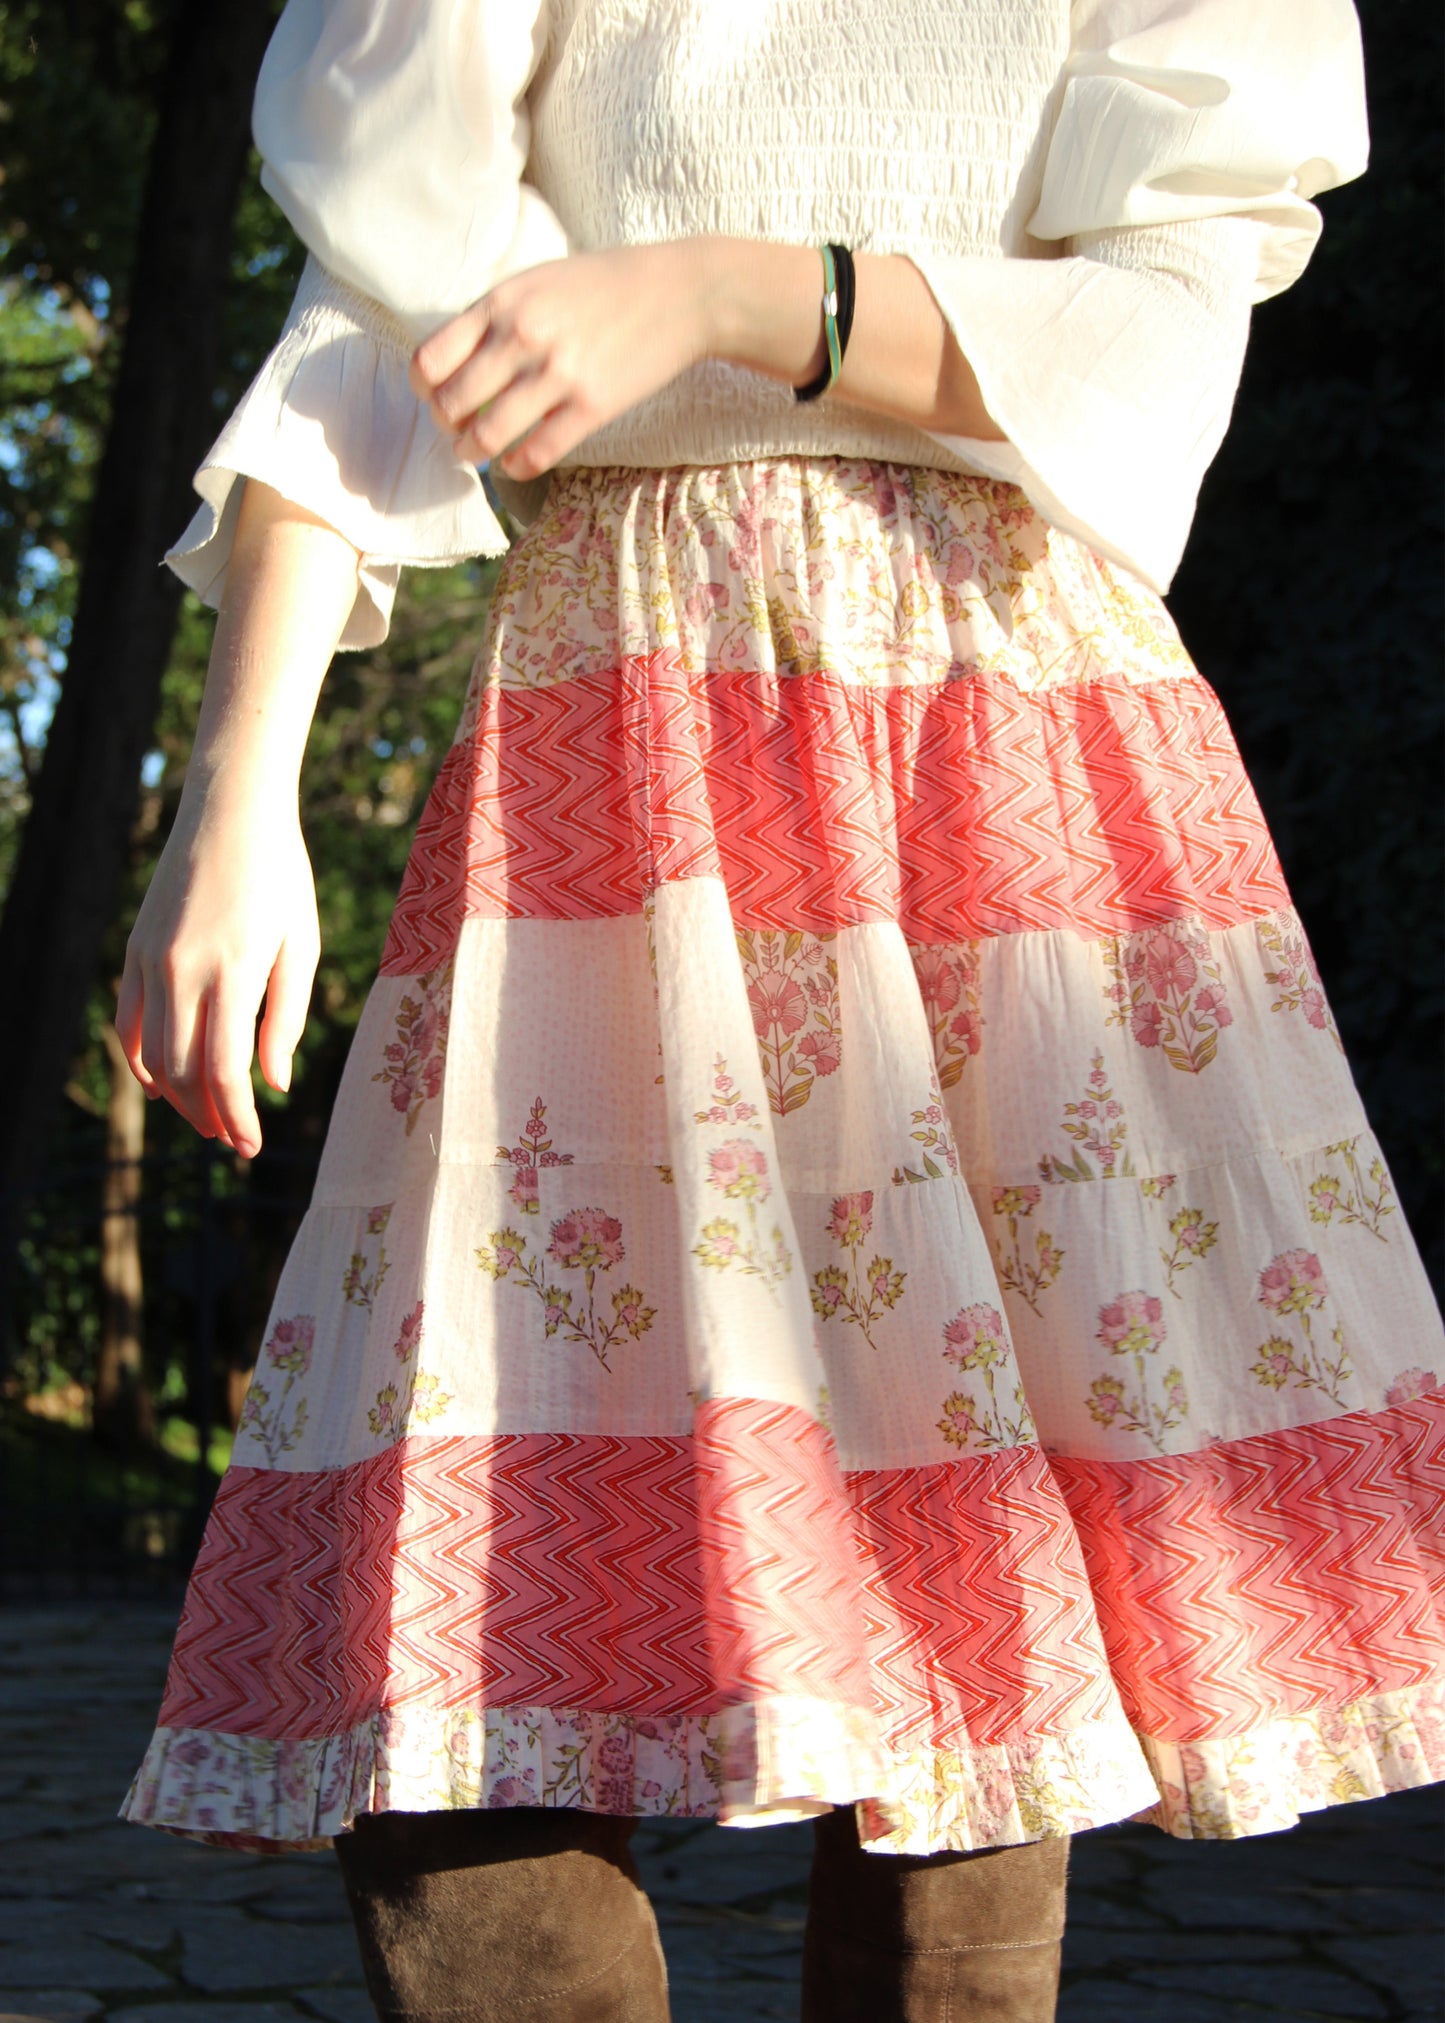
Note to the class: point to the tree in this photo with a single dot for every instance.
(84, 799)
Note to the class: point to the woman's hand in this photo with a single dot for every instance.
(230, 914)
(553, 353)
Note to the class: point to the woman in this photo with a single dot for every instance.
(849, 1277)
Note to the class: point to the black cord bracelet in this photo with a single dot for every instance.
(839, 292)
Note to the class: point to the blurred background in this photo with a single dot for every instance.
(143, 276)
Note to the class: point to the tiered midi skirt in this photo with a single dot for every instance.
(848, 1265)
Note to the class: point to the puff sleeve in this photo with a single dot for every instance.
(1189, 138)
(393, 135)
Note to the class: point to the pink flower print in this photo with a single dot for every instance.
(960, 565)
(1016, 1200)
(777, 1001)
(631, 1313)
(1146, 1022)
(720, 1242)
(403, 1087)
(506, 1251)
(975, 1338)
(938, 980)
(378, 1218)
(1106, 1399)
(1168, 965)
(585, 1239)
(704, 601)
(967, 1028)
(615, 1756)
(1316, 1011)
(1292, 1283)
(852, 1218)
(1097, 1078)
(1276, 1361)
(384, 1417)
(1411, 1384)
(830, 1291)
(740, 1170)
(1210, 1003)
(959, 1424)
(556, 1308)
(823, 1051)
(1132, 1325)
(512, 1791)
(523, 1189)
(1088, 1109)
(410, 1336)
(290, 1343)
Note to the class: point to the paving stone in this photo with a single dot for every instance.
(49, 2005)
(1091, 1950)
(1119, 2002)
(339, 2005)
(1410, 1965)
(1262, 1910)
(225, 1951)
(72, 1962)
(704, 2002)
(1113, 1912)
(1273, 1988)
(210, 2012)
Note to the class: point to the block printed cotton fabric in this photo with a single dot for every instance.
(848, 1264)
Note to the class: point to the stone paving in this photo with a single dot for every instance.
(1338, 1919)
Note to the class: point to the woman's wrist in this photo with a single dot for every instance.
(761, 305)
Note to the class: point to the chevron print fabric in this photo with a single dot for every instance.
(958, 809)
(848, 1265)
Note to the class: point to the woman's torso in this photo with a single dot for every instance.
(894, 127)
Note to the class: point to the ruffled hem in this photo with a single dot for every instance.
(785, 1760)
(778, 1760)
(330, 421)
(1230, 1786)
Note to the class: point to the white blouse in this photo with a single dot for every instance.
(1096, 195)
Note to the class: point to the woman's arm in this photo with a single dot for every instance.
(230, 913)
(763, 308)
(551, 354)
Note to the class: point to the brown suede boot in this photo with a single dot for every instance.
(946, 1938)
(523, 1915)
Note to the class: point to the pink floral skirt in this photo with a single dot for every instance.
(848, 1264)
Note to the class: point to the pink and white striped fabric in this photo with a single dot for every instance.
(848, 1265)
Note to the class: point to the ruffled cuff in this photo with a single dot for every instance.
(1112, 373)
(331, 423)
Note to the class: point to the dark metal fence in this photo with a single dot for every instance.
(86, 1511)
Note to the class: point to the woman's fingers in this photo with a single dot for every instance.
(288, 1000)
(434, 362)
(226, 1043)
(483, 375)
(511, 416)
(559, 430)
(129, 1018)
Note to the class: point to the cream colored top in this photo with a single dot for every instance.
(1096, 195)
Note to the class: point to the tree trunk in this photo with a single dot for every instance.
(76, 839)
(121, 1408)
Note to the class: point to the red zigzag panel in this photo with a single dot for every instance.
(1264, 1577)
(1270, 1576)
(958, 809)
